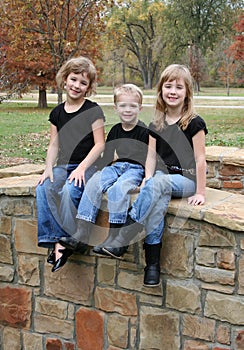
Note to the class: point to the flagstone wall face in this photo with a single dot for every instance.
(225, 168)
(97, 303)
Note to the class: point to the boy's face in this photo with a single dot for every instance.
(128, 108)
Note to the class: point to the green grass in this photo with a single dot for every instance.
(24, 129)
(24, 132)
(225, 126)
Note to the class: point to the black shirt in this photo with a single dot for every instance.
(174, 147)
(127, 146)
(75, 131)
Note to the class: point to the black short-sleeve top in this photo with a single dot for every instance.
(75, 133)
(128, 145)
(174, 147)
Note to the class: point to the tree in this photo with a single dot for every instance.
(236, 49)
(45, 33)
(196, 26)
(225, 64)
(234, 55)
(8, 84)
(135, 25)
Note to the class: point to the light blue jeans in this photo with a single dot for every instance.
(117, 180)
(151, 205)
(57, 204)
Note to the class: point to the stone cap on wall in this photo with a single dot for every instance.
(222, 208)
(21, 170)
(225, 155)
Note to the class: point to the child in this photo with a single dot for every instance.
(129, 139)
(76, 142)
(175, 167)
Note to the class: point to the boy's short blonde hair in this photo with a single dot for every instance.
(128, 89)
(78, 65)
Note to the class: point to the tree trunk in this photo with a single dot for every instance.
(123, 72)
(42, 99)
(148, 83)
(228, 80)
(197, 86)
(60, 96)
(147, 78)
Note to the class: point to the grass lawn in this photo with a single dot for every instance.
(24, 129)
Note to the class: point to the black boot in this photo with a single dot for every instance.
(113, 232)
(152, 269)
(119, 245)
(79, 241)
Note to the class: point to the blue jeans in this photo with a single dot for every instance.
(117, 180)
(151, 205)
(57, 204)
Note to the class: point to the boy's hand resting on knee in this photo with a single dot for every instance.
(197, 199)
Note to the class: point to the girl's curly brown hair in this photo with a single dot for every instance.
(78, 65)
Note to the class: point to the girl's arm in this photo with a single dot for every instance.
(150, 164)
(109, 151)
(52, 153)
(200, 158)
(78, 175)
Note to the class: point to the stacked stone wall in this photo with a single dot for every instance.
(96, 303)
(225, 168)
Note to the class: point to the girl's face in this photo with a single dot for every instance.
(77, 86)
(128, 108)
(174, 93)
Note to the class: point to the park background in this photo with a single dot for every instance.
(128, 41)
(200, 303)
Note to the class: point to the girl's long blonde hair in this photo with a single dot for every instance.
(174, 72)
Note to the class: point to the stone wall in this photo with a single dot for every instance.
(100, 303)
(225, 168)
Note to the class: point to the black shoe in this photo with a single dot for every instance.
(51, 257)
(98, 250)
(115, 252)
(73, 244)
(66, 253)
(152, 276)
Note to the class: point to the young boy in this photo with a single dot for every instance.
(128, 140)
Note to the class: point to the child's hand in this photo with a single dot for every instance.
(48, 173)
(197, 199)
(144, 181)
(78, 175)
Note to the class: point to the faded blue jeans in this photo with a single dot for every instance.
(151, 205)
(57, 204)
(117, 180)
